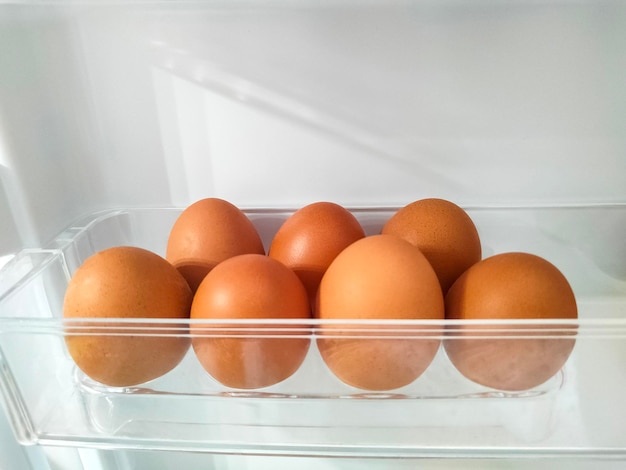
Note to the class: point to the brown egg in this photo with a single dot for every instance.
(380, 277)
(206, 233)
(443, 231)
(249, 287)
(510, 286)
(126, 282)
(311, 238)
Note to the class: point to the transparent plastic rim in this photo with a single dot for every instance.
(340, 328)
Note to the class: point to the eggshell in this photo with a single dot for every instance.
(249, 287)
(206, 233)
(443, 231)
(380, 277)
(126, 282)
(311, 238)
(510, 286)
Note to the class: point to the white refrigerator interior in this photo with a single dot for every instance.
(114, 116)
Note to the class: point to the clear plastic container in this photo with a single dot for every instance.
(442, 413)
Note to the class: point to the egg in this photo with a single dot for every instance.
(131, 283)
(206, 233)
(510, 286)
(379, 277)
(257, 287)
(310, 239)
(443, 231)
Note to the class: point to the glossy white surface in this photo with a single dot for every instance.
(370, 103)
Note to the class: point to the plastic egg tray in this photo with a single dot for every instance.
(313, 412)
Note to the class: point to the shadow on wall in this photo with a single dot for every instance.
(10, 239)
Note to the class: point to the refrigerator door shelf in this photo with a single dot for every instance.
(440, 414)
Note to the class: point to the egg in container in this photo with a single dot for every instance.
(507, 287)
(250, 355)
(378, 278)
(126, 283)
(310, 239)
(207, 232)
(443, 231)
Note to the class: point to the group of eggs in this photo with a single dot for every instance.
(425, 264)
